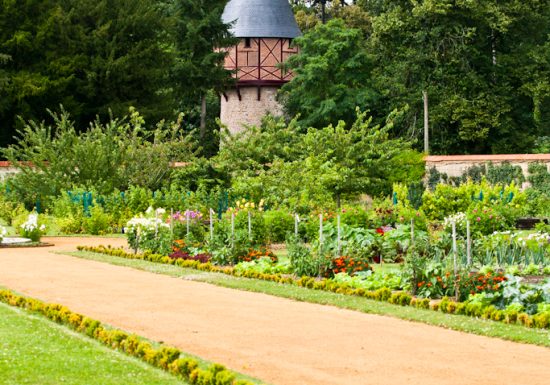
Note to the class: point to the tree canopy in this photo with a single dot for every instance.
(99, 57)
(483, 64)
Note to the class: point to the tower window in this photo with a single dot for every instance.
(247, 42)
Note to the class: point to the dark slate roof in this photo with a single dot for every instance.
(261, 18)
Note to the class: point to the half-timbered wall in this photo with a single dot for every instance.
(256, 60)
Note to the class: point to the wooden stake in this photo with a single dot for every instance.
(454, 260)
(468, 244)
(187, 218)
(249, 225)
(232, 230)
(211, 226)
(339, 237)
(321, 229)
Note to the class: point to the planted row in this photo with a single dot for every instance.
(164, 357)
(473, 308)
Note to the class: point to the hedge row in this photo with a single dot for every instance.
(164, 357)
(541, 320)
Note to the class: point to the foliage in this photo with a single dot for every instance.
(279, 223)
(31, 229)
(200, 37)
(105, 157)
(302, 261)
(264, 265)
(149, 233)
(539, 178)
(331, 76)
(483, 65)
(3, 233)
(446, 199)
(508, 249)
(474, 309)
(94, 57)
(370, 280)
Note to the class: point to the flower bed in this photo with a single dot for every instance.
(472, 308)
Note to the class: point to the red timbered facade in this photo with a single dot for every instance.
(257, 61)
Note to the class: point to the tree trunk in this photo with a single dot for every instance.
(426, 123)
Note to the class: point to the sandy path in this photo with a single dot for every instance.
(278, 340)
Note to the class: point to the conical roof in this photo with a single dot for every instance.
(261, 18)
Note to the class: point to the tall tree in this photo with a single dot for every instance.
(332, 76)
(92, 56)
(200, 37)
(473, 59)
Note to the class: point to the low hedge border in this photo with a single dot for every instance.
(165, 357)
(540, 321)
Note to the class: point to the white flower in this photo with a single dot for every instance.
(31, 224)
(160, 211)
(459, 219)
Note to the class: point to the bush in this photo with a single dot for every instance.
(149, 234)
(302, 260)
(99, 223)
(279, 224)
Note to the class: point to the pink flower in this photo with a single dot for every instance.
(478, 219)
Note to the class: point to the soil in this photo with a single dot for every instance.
(280, 341)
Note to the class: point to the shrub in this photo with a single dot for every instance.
(279, 224)
(99, 223)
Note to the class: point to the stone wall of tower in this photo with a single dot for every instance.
(236, 114)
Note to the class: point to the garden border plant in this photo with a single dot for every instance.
(165, 357)
(476, 309)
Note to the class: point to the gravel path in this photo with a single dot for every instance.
(280, 341)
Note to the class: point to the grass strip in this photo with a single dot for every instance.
(168, 358)
(34, 350)
(511, 332)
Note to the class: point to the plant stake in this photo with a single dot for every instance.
(249, 225)
(211, 226)
(232, 230)
(339, 237)
(296, 220)
(468, 244)
(171, 223)
(454, 259)
(187, 218)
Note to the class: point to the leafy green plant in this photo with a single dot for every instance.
(279, 223)
(303, 261)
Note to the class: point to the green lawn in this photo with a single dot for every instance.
(34, 350)
(456, 322)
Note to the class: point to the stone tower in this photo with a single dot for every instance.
(265, 29)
